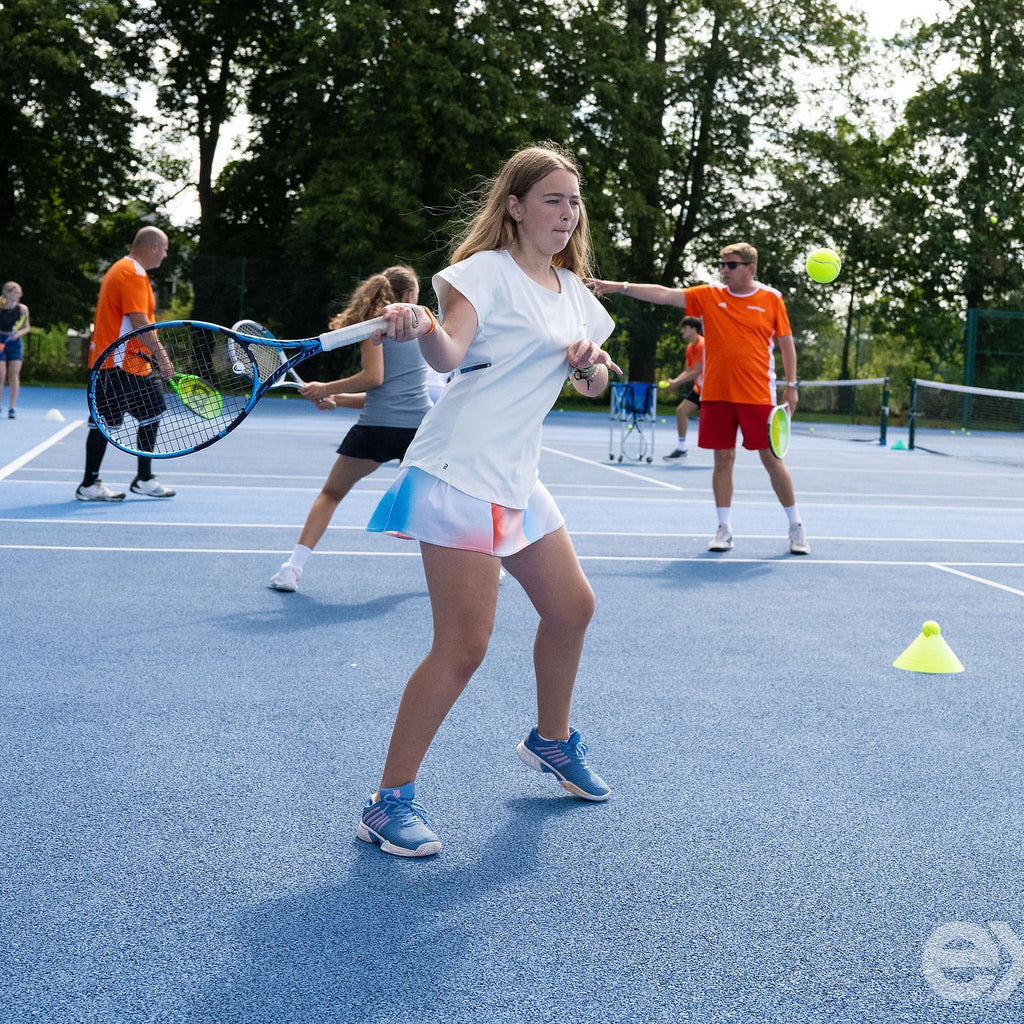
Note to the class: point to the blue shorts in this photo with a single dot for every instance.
(12, 352)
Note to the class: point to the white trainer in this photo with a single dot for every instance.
(286, 578)
(722, 541)
(98, 491)
(151, 488)
(798, 540)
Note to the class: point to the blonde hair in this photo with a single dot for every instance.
(9, 286)
(374, 294)
(491, 225)
(743, 250)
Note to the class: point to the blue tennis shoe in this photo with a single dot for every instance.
(567, 761)
(397, 824)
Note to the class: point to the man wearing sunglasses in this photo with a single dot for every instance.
(743, 322)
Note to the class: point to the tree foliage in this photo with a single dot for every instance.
(371, 125)
(67, 153)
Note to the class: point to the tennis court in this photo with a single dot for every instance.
(792, 818)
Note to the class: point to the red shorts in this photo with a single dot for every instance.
(719, 420)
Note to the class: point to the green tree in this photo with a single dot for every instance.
(204, 56)
(962, 134)
(67, 153)
(690, 102)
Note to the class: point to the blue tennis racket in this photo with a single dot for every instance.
(230, 369)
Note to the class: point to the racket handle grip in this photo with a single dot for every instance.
(352, 334)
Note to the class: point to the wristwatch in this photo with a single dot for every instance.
(793, 383)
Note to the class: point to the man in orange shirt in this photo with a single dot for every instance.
(126, 301)
(689, 330)
(743, 322)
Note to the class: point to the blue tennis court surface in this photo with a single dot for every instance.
(796, 827)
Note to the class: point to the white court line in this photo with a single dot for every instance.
(21, 460)
(700, 560)
(684, 496)
(614, 469)
(976, 579)
(614, 534)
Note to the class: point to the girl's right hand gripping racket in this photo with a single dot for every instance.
(127, 391)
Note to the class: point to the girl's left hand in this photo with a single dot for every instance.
(586, 353)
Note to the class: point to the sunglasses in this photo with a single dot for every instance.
(733, 264)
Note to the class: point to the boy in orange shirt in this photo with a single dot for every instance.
(693, 375)
(743, 322)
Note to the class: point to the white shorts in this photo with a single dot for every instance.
(420, 507)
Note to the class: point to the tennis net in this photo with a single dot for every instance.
(856, 410)
(979, 423)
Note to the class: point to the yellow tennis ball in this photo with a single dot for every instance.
(931, 628)
(823, 265)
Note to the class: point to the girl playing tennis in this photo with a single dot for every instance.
(516, 321)
(391, 389)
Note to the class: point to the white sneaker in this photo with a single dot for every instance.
(98, 491)
(722, 541)
(152, 488)
(286, 578)
(798, 540)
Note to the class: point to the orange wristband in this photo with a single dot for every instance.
(433, 321)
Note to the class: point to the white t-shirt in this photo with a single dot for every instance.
(484, 434)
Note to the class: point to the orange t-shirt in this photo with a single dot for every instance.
(695, 355)
(125, 289)
(739, 345)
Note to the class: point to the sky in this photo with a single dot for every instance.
(885, 16)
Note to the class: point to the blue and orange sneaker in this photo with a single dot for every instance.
(397, 824)
(567, 761)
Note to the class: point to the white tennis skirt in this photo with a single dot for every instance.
(418, 506)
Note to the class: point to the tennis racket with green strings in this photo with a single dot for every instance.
(217, 375)
(779, 430)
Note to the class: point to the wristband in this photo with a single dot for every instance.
(625, 287)
(433, 321)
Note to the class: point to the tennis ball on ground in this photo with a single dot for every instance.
(823, 265)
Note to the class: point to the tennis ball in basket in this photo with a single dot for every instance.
(823, 265)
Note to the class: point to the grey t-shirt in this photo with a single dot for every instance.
(402, 400)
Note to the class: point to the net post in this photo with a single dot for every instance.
(885, 412)
(912, 413)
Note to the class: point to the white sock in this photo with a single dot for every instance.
(792, 515)
(298, 557)
(723, 517)
(682, 444)
(546, 740)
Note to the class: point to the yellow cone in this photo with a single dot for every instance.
(929, 653)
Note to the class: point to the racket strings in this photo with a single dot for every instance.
(267, 358)
(196, 404)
